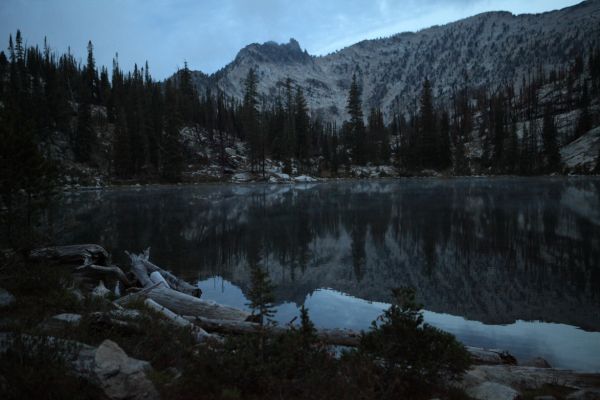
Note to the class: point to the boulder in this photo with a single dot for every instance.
(585, 394)
(530, 378)
(537, 362)
(107, 366)
(304, 178)
(67, 318)
(100, 290)
(493, 391)
(120, 376)
(6, 298)
(242, 177)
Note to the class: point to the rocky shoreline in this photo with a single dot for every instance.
(494, 375)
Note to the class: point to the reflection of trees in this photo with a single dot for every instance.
(491, 250)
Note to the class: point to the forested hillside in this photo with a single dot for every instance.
(85, 124)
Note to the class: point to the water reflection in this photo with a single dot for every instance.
(564, 346)
(491, 250)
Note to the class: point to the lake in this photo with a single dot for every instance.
(510, 263)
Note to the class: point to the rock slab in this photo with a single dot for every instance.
(493, 391)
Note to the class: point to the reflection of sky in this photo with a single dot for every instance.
(564, 346)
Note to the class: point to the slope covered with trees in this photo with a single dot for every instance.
(90, 124)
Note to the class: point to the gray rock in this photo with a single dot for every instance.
(544, 398)
(585, 394)
(120, 376)
(108, 367)
(72, 319)
(6, 298)
(100, 290)
(537, 362)
(77, 294)
(60, 321)
(526, 377)
(493, 391)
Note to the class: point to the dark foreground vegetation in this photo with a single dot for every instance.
(399, 357)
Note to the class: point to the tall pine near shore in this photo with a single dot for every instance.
(85, 136)
(172, 157)
(356, 126)
(427, 140)
(549, 133)
(251, 117)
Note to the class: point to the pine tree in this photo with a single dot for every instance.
(428, 145)
(121, 156)
(549, 133)
(356, 126)
(301, 125)
(91, 77)
(260, 295)
(308, 332)
(377, 143)
(250, 115)
(171, 150)
(445, 155)
(584, 123)
(84, 135)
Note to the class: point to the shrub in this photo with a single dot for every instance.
(412, 355)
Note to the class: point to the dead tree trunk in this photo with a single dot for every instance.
(173, 281)
(72, 254)
(336, 337)
(184, 304)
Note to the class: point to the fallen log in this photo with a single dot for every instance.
(112, 269)
(200, 335)
(174, 282)
(71, 254)
(491, 356)
(184, 304)
(147, 272)
(139, 270)
(336, 337)
(136, 293)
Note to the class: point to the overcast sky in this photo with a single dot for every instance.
(209, 33)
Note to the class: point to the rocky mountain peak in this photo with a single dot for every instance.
(273, 52)
(487, 49)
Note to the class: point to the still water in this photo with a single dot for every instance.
(511, 263)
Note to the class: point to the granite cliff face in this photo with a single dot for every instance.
(484, 50)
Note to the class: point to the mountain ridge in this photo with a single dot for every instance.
(486, 49)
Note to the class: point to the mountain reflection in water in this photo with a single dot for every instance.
(498, 251)
(564, 346)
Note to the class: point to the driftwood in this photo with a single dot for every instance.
(139, 270)
(136, 293)
(156, 277)
(200, 335)
(184, 304)
(336, 337)
(491, 356)
(112, 269)
(141, 264)
(72, 254)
